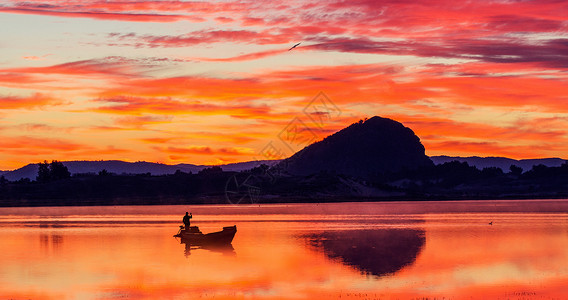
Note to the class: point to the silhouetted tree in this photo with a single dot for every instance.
(211, 170)
(58, 170)
(539, 170)
(104, 172)
(491, 172)
(456, 172)
(515, 170)
(23, 181)
(54, 171)
(43, 174)
(259, 170)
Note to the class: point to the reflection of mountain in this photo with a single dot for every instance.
(378, 252)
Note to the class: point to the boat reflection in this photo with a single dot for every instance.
(225, 249)
(378, 252)
(219, 241)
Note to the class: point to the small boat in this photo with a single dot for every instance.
(194, 236)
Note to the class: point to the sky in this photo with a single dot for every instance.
(215, 82)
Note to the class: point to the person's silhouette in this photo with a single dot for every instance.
(186, 220)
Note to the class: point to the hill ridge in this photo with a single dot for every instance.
(366, 148)
(123, 167)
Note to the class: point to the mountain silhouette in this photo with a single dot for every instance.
(30, 171)
(364, 149)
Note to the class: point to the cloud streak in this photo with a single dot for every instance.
(34, 101)
(138, 105)
(111, 66)
(243, 57)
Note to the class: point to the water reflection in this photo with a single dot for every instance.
(378, 252)
(50, 243)
(225, 249)
(290, 254)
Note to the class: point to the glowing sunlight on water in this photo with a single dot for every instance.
(456, 250)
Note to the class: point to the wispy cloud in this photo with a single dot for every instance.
(84, 11)
(27, 145)
(206, 150)
(34, 101)
(115, 66)
(161, 105)
(211, 36)
(243, 57)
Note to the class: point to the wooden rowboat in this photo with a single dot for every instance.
(194, 236)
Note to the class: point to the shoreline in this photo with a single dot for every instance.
(290, 200)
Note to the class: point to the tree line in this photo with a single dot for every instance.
(55, 185)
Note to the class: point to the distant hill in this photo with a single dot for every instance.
(121, 167)
(364, 149)
(28, 171)
(499, 162)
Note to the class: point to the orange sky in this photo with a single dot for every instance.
(214, 82)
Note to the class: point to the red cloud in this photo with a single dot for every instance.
(224, 20)
(206, 37)
(34, 101)
(550, 53)
(116, 66)
(13, 78)
(206, 150)
(138, 105)
(86, 12)
(57, 77)
(25, 145)
(357, 84)
(190, 150)
(478, 30)
(139, 121)
(520, 140)
(446, 128)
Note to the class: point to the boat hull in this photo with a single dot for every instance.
(195, 237)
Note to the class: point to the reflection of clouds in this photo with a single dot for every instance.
(378, 252)
(460, 256)
(465, 256)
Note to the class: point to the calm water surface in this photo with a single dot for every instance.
(408, 250)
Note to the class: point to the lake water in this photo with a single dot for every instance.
(392, 250)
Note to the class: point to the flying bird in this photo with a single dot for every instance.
(298, 44)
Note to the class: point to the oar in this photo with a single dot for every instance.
(179, 231)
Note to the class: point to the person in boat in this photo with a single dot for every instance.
(186, 220)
